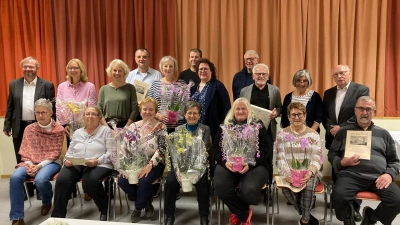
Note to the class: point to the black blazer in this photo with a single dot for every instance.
(12, 120)
(216, 106)
(346, 110)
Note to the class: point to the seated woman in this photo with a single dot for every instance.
(299, 152)
(147, 135)
(93, 143)
(239, 134)
(40, 152)
(192, 114)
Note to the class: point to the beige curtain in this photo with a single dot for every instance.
(288, 35)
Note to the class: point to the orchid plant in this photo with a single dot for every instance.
(173, 97)
(72, 112)
(304, 144)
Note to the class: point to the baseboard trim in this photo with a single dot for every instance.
(5, 176)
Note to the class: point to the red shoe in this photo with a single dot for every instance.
(234, 220)
(249, 218)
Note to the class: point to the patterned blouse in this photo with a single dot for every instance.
(200, 97)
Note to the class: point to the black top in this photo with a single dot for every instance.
(259, 97)
(188, 75)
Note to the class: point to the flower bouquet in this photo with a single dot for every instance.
(173, 97)
(239, 144)
(298, 167)
(130, 156)
(189, 157)
(72, 113)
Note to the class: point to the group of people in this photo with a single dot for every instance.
(37, 138)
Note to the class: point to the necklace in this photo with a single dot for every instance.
(298, 132)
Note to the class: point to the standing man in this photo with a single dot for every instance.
(266, 96)
(375, 175)
(143, 73)
(190, 74)
(23, 93)
(244, 77)
(338, 103)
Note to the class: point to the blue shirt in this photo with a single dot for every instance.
(151, 75)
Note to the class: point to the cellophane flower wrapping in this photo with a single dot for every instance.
(240, 142)
(128, 155)
(188, 154)
(72, 113)
(173, 98)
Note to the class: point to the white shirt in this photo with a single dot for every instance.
(28, 100)
(150, 76)
(340, 94)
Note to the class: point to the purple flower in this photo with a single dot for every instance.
(247, 131)
(131, 137)
(304, 143)
(289, 137)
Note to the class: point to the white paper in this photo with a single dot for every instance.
(77, 161)
(262, 114)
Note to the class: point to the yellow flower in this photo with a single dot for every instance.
(180, 150)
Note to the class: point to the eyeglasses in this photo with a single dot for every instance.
(204, 69)
(250, 59)
(301, 81)
(192, 113)
(40, 113)
(261, 74)
(293, 115)
(73, 68)
(340, 73)
(361, 109)
(91, 114)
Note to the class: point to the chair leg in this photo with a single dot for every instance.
(79, 194)
(219, 209)
(27, 194)
(273, 205)
(267, 203)
(160, 211)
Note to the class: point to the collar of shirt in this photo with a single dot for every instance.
(72, 85)
(32, 83)
(345, 88)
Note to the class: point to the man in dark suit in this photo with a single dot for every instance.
(23, 93)
(339, 103)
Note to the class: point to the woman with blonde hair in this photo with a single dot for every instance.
(117, 99)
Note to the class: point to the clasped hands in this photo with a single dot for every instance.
(32, 169)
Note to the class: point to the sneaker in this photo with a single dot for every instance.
(149, 209)
(349, 220)
(234, 219)
(135, 216)
(367, 211)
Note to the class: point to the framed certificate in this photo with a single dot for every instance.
(358, 142)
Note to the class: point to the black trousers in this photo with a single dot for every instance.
(250, 185)
(92, 178)
(172, 187)
(347, 187)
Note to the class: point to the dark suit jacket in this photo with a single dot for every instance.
(346, 110)
(12, 120)
(216, 106)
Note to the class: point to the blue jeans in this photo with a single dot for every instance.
(42, 182)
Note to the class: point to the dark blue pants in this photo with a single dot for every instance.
(143, 190)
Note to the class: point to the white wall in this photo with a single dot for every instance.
(7, 157)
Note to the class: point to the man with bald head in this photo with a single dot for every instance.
(339, 102)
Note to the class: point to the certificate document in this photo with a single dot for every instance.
(77, 161)
(262, 114)
(141, 89)
(358, 142)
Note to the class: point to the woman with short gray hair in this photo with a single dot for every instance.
(309, 98)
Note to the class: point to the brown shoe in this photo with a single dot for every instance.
(45, 209)
(18, 222)
(87, 197)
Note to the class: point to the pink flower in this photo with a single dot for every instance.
(304, 143)
(289, 137)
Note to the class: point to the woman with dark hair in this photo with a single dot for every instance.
(211, 94)
(192, 114)
(309, 98)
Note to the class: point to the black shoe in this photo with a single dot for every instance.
(169, 220)
(149, 209)
(288, 203)
(155, 190)
(178, 196)
(38, 195)
(135, 216)
(357, 216)
(204, 220)
(367, 211)
(103, 217)
(315, 199)
(313, 220)
(349, 220)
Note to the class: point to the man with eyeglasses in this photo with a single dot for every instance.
(244, 77)
(266, 96)
(338, 103)
(374, 175)
(190, 74)
(23, 92)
